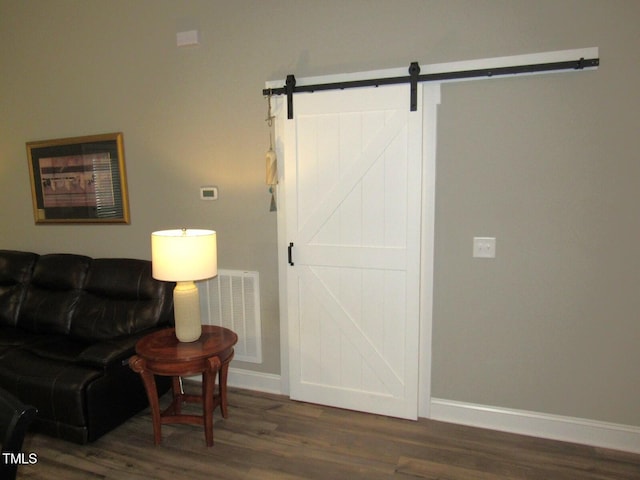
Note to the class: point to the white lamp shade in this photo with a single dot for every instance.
(184, 255)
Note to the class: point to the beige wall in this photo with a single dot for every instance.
(547, 164)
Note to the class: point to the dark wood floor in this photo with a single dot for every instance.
(270, 437)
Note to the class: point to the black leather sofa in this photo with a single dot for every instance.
(68, 325)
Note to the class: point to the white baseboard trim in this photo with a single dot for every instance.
(240, 378)
(556, 427)
(262, 382)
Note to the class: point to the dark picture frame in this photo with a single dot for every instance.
(79, 179)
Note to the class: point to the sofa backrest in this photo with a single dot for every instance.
(53, 293)
(88, 299)
(120, 297)
(15, 272)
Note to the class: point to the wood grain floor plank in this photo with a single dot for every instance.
(270, 437)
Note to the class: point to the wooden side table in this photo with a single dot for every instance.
(160, 353)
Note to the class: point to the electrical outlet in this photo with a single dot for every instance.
(484, 247)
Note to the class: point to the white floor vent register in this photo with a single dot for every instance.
(232, 300)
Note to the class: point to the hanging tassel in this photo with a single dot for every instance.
(273, 207)
(271, 167)
(271, 161)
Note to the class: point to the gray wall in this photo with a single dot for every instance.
(547, 164)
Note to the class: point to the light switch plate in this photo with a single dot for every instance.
(484, 247)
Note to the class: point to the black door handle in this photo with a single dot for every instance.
(289, 253)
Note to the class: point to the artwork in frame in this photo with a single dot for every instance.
(79, 179)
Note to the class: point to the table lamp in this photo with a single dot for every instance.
(185, 256)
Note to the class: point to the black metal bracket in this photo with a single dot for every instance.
(414, 71)
(290, 253)
(414, 77)
(290, 86)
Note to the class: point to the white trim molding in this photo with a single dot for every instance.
(250, 380)
(431, 98)
(555, 427)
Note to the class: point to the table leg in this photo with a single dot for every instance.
(222, 385)
(138, 364)
(208, 383)
(178, 392)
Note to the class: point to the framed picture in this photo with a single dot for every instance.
(79, 180)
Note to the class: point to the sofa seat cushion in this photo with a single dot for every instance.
(100, 355)
(57, 348)
(56, 388)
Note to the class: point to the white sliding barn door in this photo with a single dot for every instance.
(352, 200)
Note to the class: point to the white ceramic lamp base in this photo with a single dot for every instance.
(186, 304)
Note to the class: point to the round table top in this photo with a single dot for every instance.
(164, 346)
